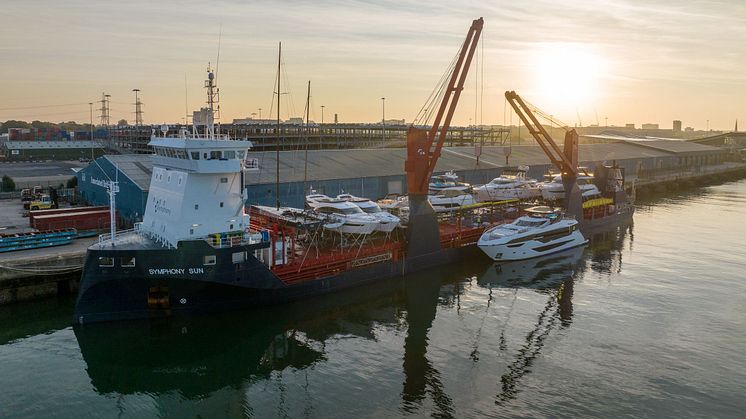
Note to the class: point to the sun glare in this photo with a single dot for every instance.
(567, 77)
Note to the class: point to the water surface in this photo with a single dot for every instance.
(649, 320)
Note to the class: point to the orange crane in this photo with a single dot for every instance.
(423, 150)
(421, 157)
(566, 160)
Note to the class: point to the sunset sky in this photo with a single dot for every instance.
(632, 61)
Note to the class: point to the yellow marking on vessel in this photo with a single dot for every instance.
(592, 203)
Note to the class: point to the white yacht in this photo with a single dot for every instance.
(554, 190)
(314, 199)
(350, 219)
(447, 180)
(511, 184)
(541, 232)
(449, 199)
(386, 221)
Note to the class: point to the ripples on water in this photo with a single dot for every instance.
(647, 321)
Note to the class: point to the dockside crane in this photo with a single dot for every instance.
(423, 150)
(565, 159)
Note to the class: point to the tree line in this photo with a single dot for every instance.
(64, 126)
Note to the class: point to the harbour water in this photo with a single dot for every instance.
(648, 320)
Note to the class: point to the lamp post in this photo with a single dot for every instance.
(260, 113)
(383, 118)
(321, 129)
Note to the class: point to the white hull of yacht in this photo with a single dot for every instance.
(527, 250)
(487, 194)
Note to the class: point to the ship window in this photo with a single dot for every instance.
(195, 155)
(241, 154)
(105, 261)
(169, 179)
(229, 154)
(221, 205)
(191, 231)
(196, 206)
(215, 154)
(209, 260)
(127, 261)
(223, 180)
(239, 257)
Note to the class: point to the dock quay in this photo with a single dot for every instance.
(44, 272)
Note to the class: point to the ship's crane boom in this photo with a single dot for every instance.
(421, 156)
(566, 160)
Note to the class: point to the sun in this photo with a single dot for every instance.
(567, 77)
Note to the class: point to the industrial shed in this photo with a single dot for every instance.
(132, 171)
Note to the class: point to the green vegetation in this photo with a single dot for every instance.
(72, 182)
(8, 185)
(64, 126)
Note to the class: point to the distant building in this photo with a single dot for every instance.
(689, 129)
(629, 126)
(202, 117)
(676, 125)
(394, 122)
(649, 126)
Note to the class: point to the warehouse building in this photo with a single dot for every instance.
(374, 173)
(132, 171)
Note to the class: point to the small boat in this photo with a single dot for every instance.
(450, 199)
(542, 231)
(386, 221)
(554, 190)
(346, 217)
(511, 184)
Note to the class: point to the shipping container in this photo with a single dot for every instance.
(34, 214)
(82, 221)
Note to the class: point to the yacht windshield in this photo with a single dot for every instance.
(529, 223)
(372, 209)
(351, 210)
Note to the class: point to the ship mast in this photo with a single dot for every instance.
(212, 100)
(277, 147)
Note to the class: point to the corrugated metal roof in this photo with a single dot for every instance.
(678, 146)
(137, 167)
(356, 163)
(52, 145)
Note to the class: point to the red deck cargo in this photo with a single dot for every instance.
(34, 214)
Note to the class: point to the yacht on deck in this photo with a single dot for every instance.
(448, 180)
(386, 222)
(542, 231)
(450, 199)
(350, 219)
(511, 184)
(554, 189)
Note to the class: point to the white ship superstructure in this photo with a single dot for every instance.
(196, 189)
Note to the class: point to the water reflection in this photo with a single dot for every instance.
(182, 363)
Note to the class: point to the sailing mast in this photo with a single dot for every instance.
(277, 147)
(308, 110)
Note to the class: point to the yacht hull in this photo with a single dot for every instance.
(530, 249)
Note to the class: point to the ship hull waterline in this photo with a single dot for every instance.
(157, 289)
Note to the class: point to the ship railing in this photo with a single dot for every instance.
(221, 241)
(122, 236)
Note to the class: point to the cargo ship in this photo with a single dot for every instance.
(199, 250)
